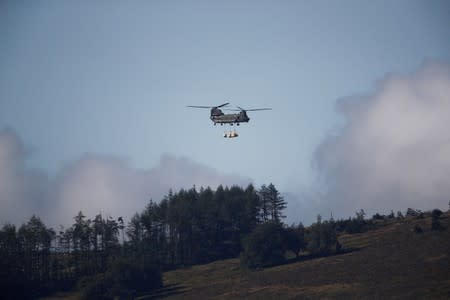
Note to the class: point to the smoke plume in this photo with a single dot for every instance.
(393, 151)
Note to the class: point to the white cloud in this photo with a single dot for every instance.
(98, 183)
(394, 150)
(92, 184)
(22, 190)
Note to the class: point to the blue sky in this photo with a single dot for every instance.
(114, 78)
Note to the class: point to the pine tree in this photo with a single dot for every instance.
(277, 203)
(264, 197)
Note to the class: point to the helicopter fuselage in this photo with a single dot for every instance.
(229, 118)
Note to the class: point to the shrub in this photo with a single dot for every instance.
(377, 216)
(412, 212)
(417, 213)
(295, 239)
(391, 215)
(435, 223)
(418, 229)
(265, 246)
(123, 276)
(95, 287)
(139, 275)
(321, 238)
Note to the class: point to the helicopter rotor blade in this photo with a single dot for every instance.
(241, 109)
(203, 106)
(256, 109)
(199, 106)
(253, 109)
(225, 104)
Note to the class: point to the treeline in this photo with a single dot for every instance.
(269, 242)
(185, 228)
(36, 260)
(191, 227)
(106, 258)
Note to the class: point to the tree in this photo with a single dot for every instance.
(35, 239)
(265, 203)
(187, 227)
(11, 263)
(391, 215)
(321, 237)
(414, 213)
(295, 239)
(252, 206)
(277, 203)
(123, 278)
(361, 214)
(111, 234)
(265, 246)
(435, 223)
(81, 236)
(121, 227)
(271, 203)
(81, 232)
(135, 230)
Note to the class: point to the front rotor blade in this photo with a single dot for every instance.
(199, 106)
(223, 105)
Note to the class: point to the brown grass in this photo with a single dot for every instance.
(392, 262)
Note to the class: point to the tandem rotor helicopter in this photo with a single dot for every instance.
(218, 117)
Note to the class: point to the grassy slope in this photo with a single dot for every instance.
(392, 261)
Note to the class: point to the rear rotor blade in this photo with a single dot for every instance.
(253, 109)
(256, 109)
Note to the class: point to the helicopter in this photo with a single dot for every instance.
(218, 117)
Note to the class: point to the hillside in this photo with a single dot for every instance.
(392, 261)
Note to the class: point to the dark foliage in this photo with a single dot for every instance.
(435, 223)
(295, 239)
(109, 258)
(272, 204)
(192, 227)
(321, 237)
(358, 224)
(124, 277)
(185, 228)
(417, 213)
(418, 229)
(377, 216)
(265, 246)
(26, 260)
